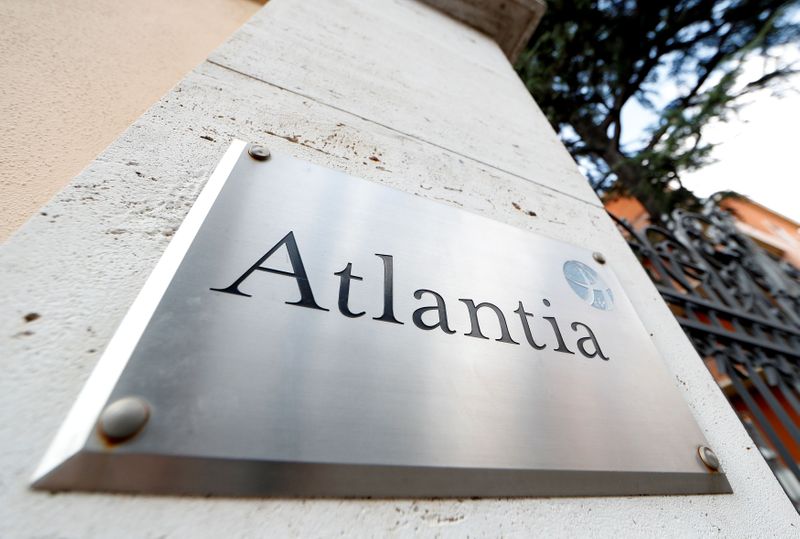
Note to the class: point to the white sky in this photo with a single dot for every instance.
(757, 153)
(758, 148)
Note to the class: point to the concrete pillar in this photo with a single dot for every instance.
(389, 90)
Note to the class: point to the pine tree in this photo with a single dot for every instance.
(589, 58)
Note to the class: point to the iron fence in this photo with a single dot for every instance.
(741, 309)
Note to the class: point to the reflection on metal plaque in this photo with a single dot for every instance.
(309, 333)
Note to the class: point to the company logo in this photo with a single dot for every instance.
(539, 335)
(589, 286)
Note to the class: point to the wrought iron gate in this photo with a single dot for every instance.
(741, 309)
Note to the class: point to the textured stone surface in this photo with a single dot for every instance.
(443, 86)
(80, 263)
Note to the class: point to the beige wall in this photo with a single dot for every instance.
(75, 74)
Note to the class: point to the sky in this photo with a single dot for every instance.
(757, 153)
(757, 150)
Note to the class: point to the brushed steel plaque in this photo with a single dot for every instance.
(308, 333)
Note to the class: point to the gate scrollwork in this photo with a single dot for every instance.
(740, 308)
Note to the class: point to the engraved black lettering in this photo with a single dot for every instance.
(590, 337)
(562, 347)
(298, 273)
(440, 308)
(344, 290)
(388, 290)
(475, 330)
(523, 316)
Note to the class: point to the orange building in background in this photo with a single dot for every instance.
(778, 234)
(628, 208)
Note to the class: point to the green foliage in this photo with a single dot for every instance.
(589, 58)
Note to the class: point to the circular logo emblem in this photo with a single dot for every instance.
(589, 286)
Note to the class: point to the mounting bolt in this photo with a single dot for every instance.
(708, 457)
(258, 152)
(598, 257)
(123, 418)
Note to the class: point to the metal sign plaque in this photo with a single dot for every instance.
(309, 333)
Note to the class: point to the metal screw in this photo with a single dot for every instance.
(258, 152)
(599, 258)
(123, 418)
(708, 457)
